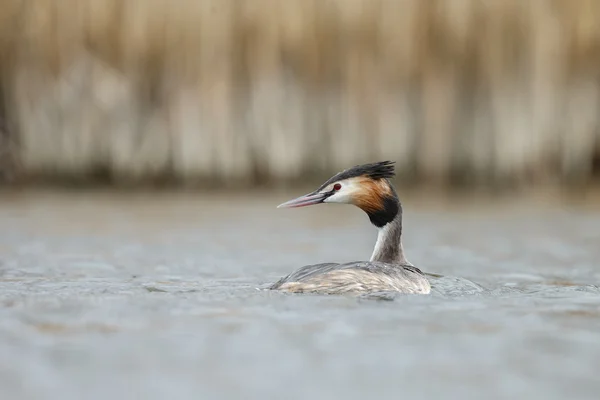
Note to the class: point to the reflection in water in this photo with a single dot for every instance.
(156, 296)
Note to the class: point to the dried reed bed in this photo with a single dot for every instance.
(482, 91)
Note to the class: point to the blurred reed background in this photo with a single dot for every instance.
(456, 91)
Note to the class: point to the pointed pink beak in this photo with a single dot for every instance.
(303, 201)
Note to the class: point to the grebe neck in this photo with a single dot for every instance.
(388, 247)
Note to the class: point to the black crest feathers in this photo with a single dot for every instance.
(378, 170)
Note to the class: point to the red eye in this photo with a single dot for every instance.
(337, 186)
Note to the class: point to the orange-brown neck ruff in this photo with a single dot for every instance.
(378, 199)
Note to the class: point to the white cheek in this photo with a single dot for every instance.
(338, 197)
(344, 195)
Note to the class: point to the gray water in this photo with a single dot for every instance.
(155, 296)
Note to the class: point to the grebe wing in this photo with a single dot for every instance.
(358, 276)
(305, 273)
(377, 267)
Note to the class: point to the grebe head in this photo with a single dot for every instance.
(365, 186)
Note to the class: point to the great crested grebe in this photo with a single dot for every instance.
(367, 187)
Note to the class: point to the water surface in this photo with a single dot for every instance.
(155, 296)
